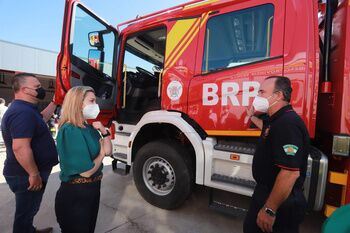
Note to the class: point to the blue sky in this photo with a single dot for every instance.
(38, 23)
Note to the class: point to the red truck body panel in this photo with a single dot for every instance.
(294, 53)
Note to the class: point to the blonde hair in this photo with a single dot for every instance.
(72, 106)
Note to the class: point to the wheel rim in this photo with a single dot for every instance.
(158, 175)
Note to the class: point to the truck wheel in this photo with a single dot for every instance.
(163, 174)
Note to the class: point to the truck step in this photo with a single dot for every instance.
(234, 180)
(120, 167)
(226, 207)
(119, 156)
(238, 147)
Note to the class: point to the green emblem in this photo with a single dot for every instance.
(290, 149)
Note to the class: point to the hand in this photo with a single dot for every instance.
(35, 183)
(265, 221)
(250, 111)
(98, 125)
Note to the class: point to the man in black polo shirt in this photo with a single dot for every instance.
(280, 162)
(30, 150)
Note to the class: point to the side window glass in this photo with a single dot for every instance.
(238, 38)
(92, 42)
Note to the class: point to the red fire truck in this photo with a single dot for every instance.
(173, 87)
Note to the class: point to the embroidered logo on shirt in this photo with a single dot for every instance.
(290, 149)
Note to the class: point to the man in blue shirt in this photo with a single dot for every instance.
(30, 150)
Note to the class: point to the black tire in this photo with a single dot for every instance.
(167, 156)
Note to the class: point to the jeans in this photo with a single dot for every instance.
(27, 202)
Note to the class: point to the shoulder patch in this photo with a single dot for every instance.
(290, 149)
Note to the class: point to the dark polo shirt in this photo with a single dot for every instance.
(23, 120)
(283, 144)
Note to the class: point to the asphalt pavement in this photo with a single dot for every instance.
(122, 209)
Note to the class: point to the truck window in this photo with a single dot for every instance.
(146, 50)
(142, 70)
(238, 38)
(83, 25)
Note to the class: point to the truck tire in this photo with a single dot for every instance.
(163, 173)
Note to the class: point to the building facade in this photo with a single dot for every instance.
(21, 58)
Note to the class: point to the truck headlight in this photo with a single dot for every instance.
(341, 145)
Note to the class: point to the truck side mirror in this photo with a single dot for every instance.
(96, 40)
(96, 59)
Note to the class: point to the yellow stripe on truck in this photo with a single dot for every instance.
(249, 133)
(177, 34)
(174, 51)
(205, 17)
(184, 44)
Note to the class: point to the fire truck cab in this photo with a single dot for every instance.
(173, 86)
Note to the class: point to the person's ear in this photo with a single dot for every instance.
(24, 90)
(280, 95)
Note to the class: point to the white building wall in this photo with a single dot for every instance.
(21, 58)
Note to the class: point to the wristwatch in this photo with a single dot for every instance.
(269, 211)
(106, 134)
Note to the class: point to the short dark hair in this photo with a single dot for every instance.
(2, 101)
(19, 79)
(284, 85)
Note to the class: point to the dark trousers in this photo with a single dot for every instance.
(289, 215)
(27, 202)
(76, 207)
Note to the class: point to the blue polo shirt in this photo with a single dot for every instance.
(23, 120)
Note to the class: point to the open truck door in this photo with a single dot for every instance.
(88, 57)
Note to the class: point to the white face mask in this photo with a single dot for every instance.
(91, 111)
(261, 104)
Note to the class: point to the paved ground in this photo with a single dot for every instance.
(122, 210)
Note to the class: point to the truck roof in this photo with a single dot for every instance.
(190, 9)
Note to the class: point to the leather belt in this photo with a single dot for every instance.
(84, 180)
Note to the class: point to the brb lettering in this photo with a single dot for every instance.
(228, 93)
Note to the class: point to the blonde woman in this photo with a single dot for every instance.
(81, 148)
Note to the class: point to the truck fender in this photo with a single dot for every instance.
(175, 119)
